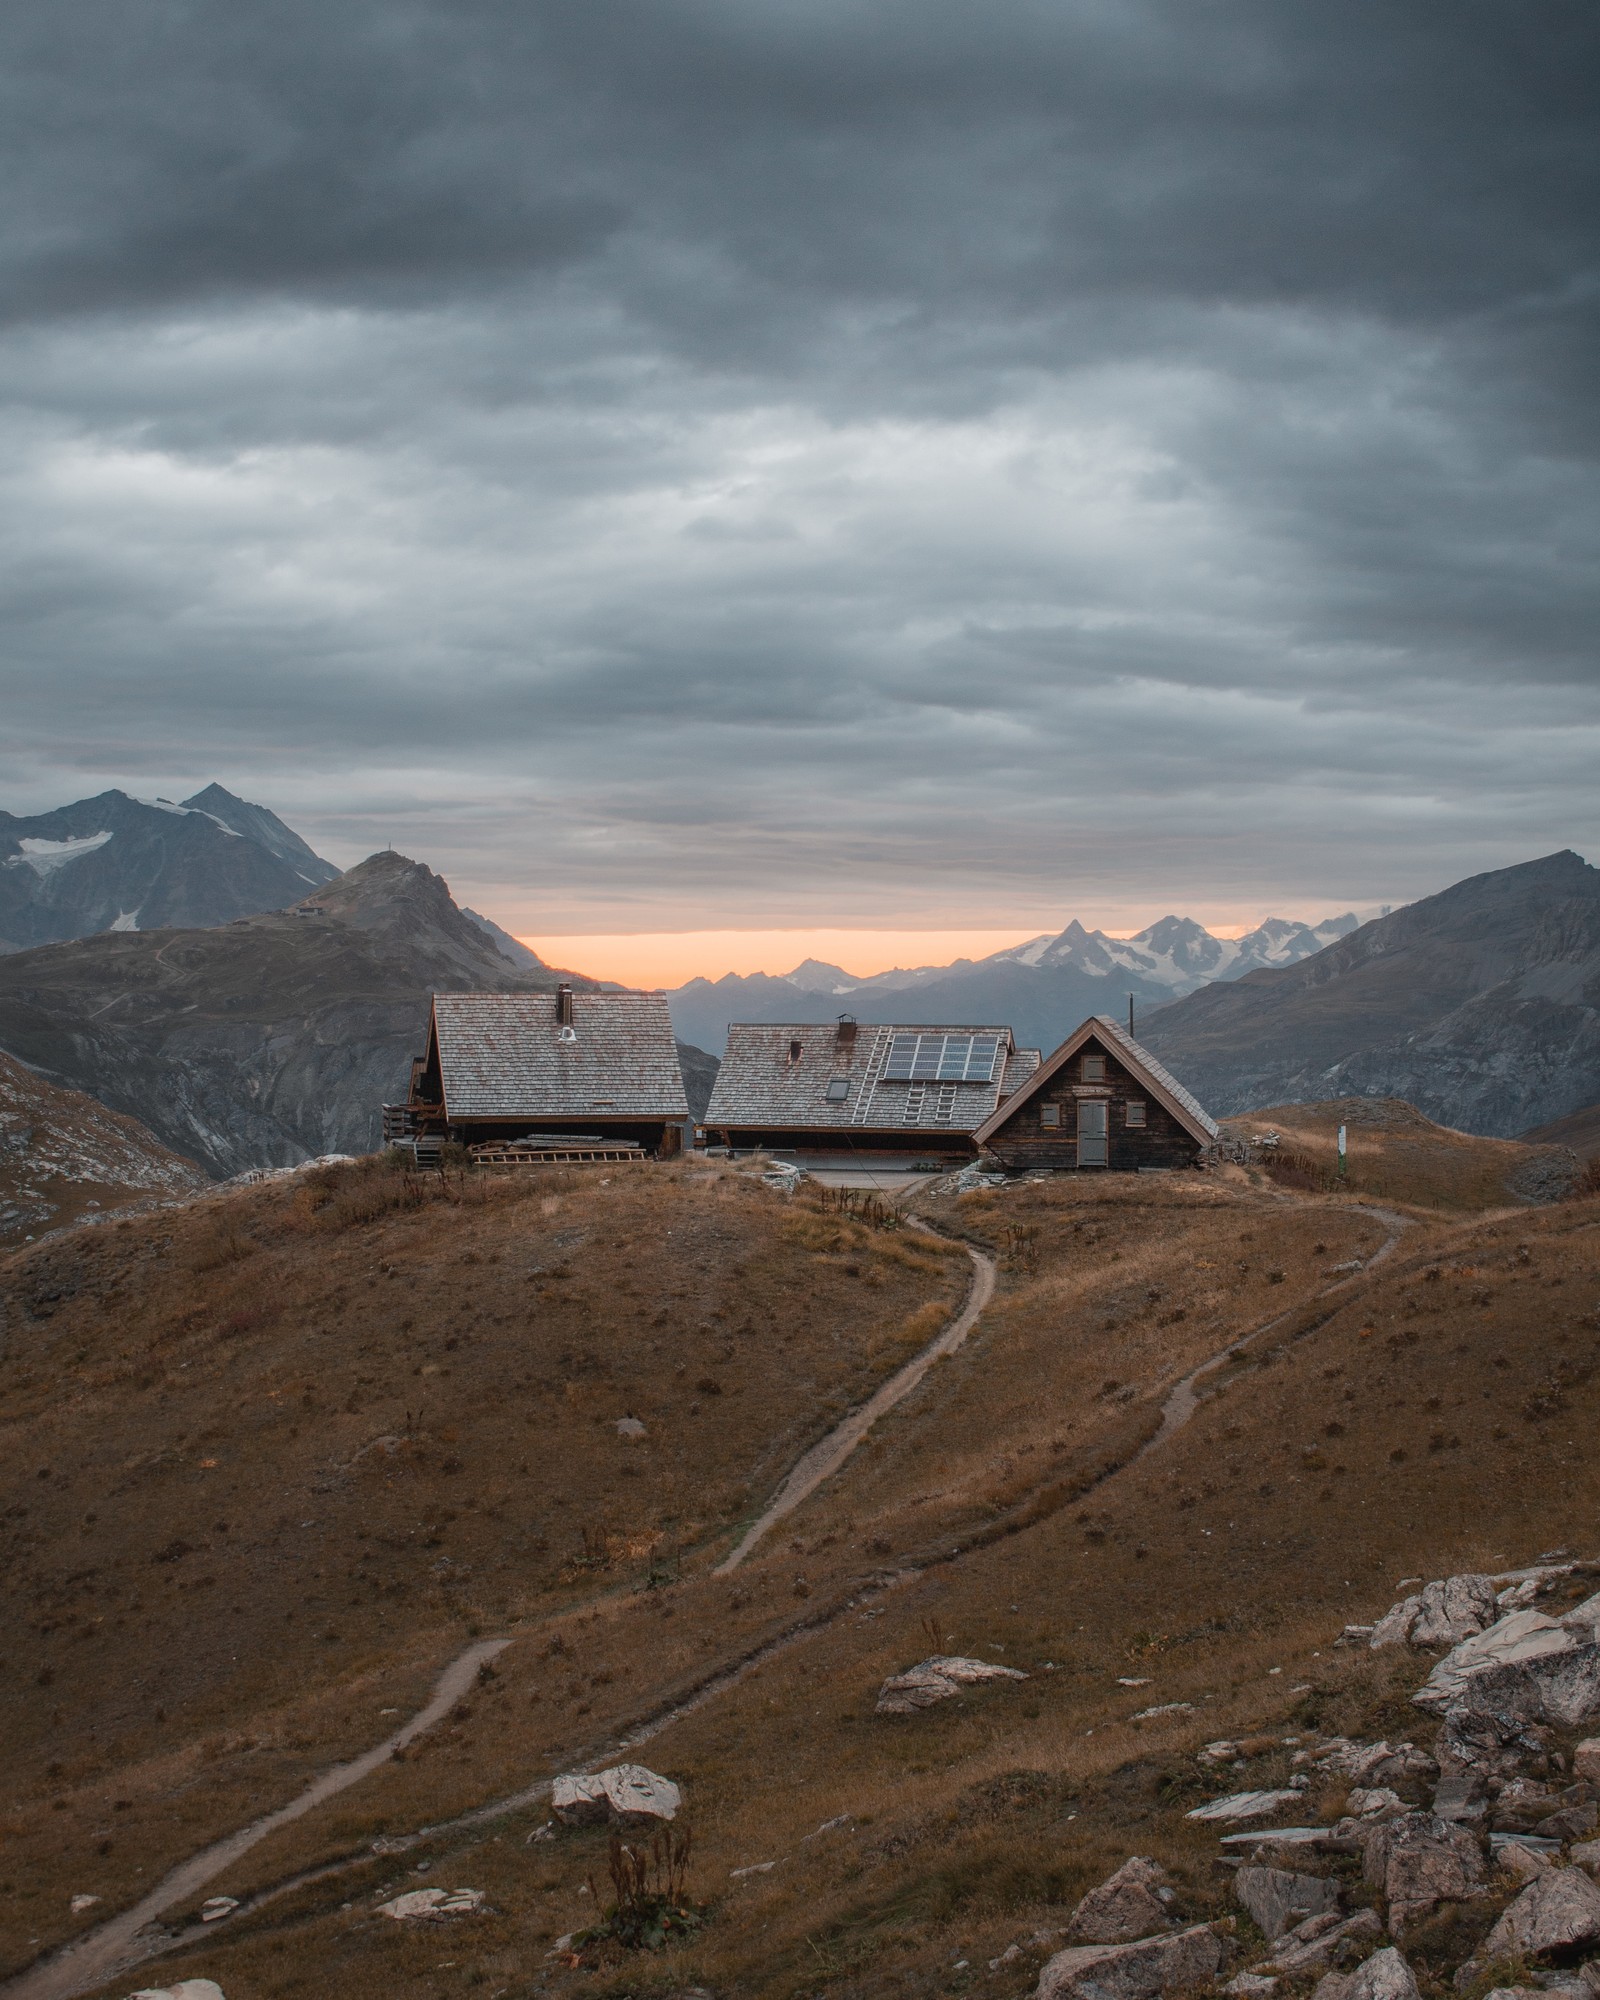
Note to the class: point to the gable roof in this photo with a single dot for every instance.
(501, 1055)
(761, 1086)
(1160, 1082)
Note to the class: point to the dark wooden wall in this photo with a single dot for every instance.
(1024, 1141)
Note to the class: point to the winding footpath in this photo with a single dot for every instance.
(824, 1458)
(114, 1946)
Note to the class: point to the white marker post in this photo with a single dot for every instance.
(1341, 1152)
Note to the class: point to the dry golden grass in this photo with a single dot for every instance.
(1433, 1414)
(1394, 1154)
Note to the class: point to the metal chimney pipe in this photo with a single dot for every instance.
(563, 1006)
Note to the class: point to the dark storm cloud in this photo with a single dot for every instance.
(769, 455)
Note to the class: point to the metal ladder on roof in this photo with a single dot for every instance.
(869, 1082)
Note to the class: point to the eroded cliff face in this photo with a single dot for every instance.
(1480, 1005)
(269, 1041)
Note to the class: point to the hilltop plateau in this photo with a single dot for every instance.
(271, 1463)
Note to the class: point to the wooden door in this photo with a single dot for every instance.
(1091, 1132)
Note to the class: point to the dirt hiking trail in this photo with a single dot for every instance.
(112, 1946)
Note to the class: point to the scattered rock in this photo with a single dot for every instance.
(1419, 1862)
(1139, 1971)
(1586, 1759)
(1384, 1976)
(1251, 1985)
(1570, 1823)
(625, 1792)
(1442, 1614)
(1279, 1900)
(186, 1989)
(630, 1427)
(1130, 1904)
(215, 1908)
(1587, 1855)
(1245, 1805)
(1488, 1743)
(1323, 1941)
(1370, 1763)
(82, 1903)
(1556, 1916)
(937, 1679)
(431, 1905)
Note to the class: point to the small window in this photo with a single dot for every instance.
(1050, 1117)
(1094, 1067)
(1136, 1111)
(838, 1089)
(794, 1051)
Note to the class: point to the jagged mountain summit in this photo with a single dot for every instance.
(115, 863)
(1481, 1006)
(1043, 988)
(272, 1039)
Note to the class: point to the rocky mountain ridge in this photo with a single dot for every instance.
(1042, 988)
(1480, 1005)
(119, 863)
(271, 1040)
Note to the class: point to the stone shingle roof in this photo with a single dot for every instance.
(1152, 1068)
(761, 1086)
(501, 1055)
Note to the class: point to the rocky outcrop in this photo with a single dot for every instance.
(1138, 1971)
(1131, 1904)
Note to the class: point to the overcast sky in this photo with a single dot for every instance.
(771, 464)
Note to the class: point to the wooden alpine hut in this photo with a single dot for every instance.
(1099, 1102)
(536, 1078)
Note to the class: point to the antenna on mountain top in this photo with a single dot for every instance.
(1130, 1017)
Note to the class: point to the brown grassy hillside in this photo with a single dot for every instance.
(1432, 1412)
(1396, 1154)
(269, 1461)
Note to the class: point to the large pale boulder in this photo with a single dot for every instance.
(1130, 1904)
(1139, 1971)
(1384, 1976)
(1510, 1641)
(1279, 1899)
(1556, 1916)
(937, 1679)
(1454, 1610)
(186, 1989)
(1419, 1862)
(626, 1792)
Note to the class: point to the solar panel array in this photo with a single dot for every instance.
(942, 1059)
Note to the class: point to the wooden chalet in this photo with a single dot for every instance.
(1099, 1102)
(858, 1087)
(537, 1078)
